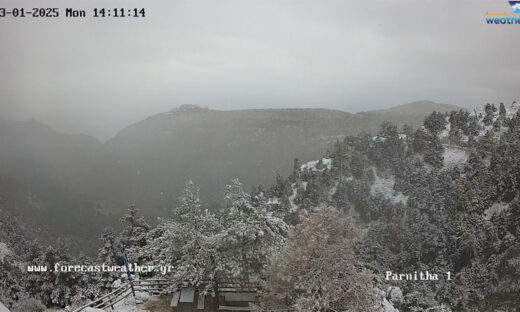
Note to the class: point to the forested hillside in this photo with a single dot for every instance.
(149, 162)
(338, 232)
(442, 198)
(58, 180)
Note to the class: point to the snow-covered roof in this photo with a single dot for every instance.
(3, 308)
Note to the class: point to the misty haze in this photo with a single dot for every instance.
(259, 156)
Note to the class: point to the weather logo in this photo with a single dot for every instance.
(516, 6)
(503, 18)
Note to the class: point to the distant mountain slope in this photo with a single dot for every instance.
(150, 161)
(417, 108)
(412, 114)
(23, 144)
(39, 172)
(76, 178)
(50, 212)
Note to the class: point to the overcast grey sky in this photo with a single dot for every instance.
(96, 76)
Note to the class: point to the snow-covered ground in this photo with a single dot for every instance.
(4, 251)
(129, 304)
(454, 157)
(445, 133)
(311, 165)
(384, 186)
(333, 190)
(273, 201)
(496, 208)
(327, 162)
(480, 113)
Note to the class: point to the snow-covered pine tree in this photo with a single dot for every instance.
(488, 118)
(134, 235)
(502, 110)
(435, 122)
(54, 288)
(195, 234)
(10, 280)
(109, 254)
(251, 233)
(433, 152)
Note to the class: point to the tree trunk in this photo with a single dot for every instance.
(217, 296)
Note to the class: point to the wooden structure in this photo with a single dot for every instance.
(232, 297)
(3, 308)
(185, 298)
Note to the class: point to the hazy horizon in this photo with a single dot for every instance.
(107, 137)
(96, 76)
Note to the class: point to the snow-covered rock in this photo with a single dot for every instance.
(327, 162)
(117, 283)
(388, 307)
(311, 165)
(394, 294)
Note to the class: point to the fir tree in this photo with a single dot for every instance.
(196, 240)
(110, 255)
(502, 110)
(250, 235)
(54, 287)
(134, 236)
(435, 122)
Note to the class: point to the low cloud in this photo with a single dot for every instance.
(98, 75)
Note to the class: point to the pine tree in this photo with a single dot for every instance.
(54, 288)
(196, 234)
(433, 152)
(435, 122)
(502, 110)
(488, 118)
(10, 281)
(134, 236)
(110, 255)
(420, 141)
(250, 235)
